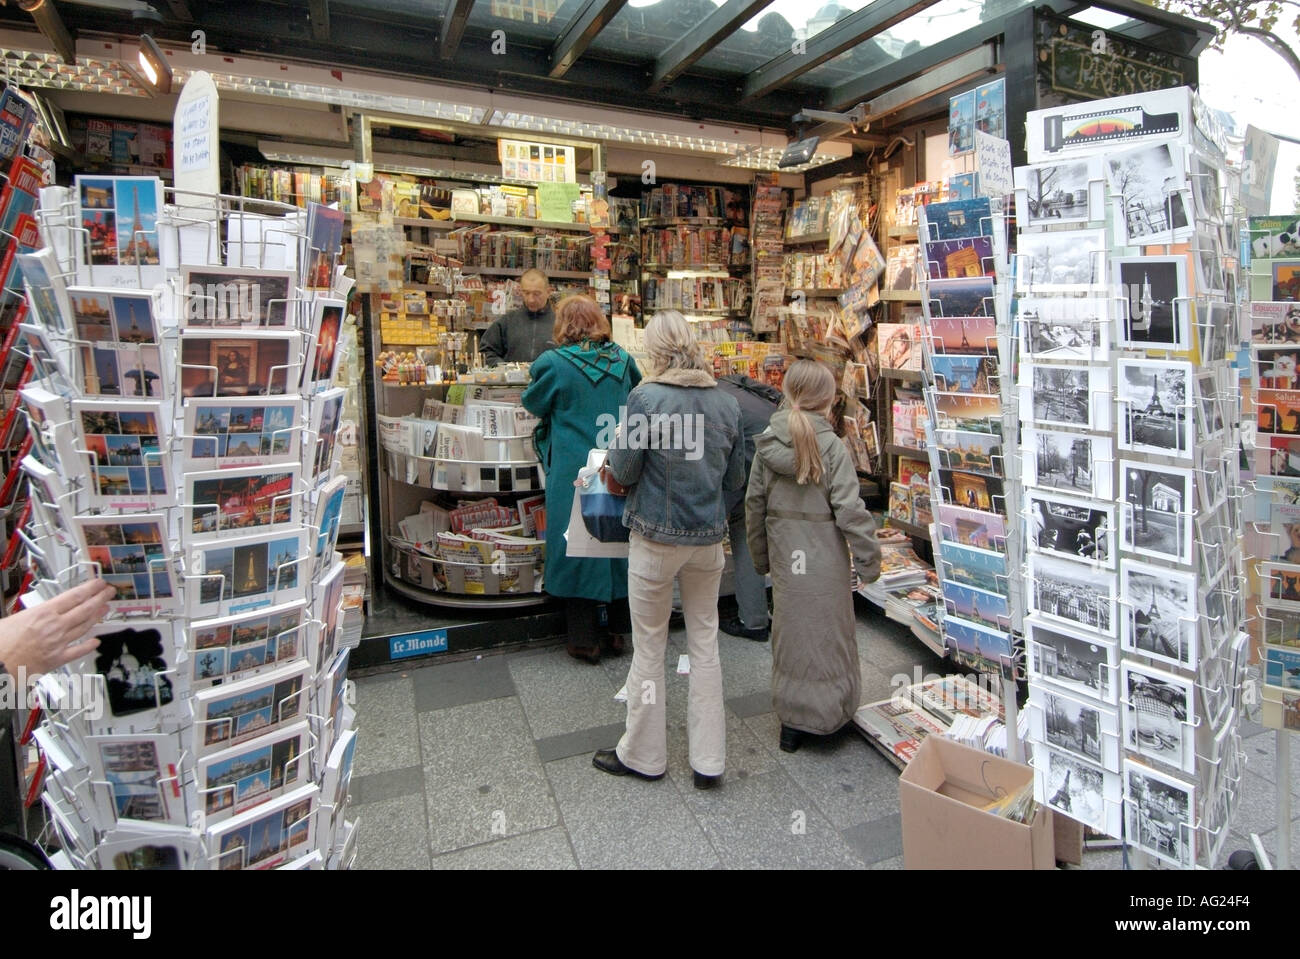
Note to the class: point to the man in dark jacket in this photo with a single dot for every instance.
(522, 335)
(758, 402)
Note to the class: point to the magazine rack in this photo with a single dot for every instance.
(265, 550)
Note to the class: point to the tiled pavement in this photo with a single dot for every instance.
(486, 763)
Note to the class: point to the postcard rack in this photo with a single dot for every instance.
(1125, 312)
(209, 730)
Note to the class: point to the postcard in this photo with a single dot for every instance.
(328, 614)
(964, 257)
(1275, 323)
(323, 352)
(1159, 710)
(255, 363)
(1079, 726)
(1074, 528)
(1209, 413)
(50, 363)
(974, 528)
(962, 297)
(143, 846)
(1158, 307)
(977, 646)
(1065, 326)
(133, 555)
(982, 569)
(1151, 195)
(325, 411)
(1064, 262)
(1082, 596)
(235, 646)
(137, 777)
(954, 373)
(1156, 511)
(1281, 626)
(1079, 661)
(123, 451)
(971, 452)
(1161, 813)
(329, 510)
(1071, 396)
(1285, 281)
(991, 108)
(131, 372)
(266, 836)
(233, 298)
(329, 691)
(988, 609)
(1207, 190)
(972, 491)
(239, 575)
(961, 123)
(968, 412)
(964, 335)
(1078, 789)
(225, 434)
(324, 244)
(899, 346)
(241, 501)
(262, 769)
(337, 779)
(47, 293)
(1211, 273)
(142, 685)
(1282, 668)
(1067, 191)
(956, 219)
(1155, 406)
(1073, 462)
(235, 712)
(1278, 411)
(118, 244)
(1160, 613)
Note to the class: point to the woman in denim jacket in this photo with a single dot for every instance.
(680, 448)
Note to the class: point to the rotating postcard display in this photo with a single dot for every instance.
(971, 405)
(1126, 304)
(1274, 535)
(185, 456)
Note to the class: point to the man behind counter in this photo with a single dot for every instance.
(522, 335)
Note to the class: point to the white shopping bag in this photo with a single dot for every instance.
(577, 541)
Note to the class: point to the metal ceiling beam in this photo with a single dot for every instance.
(716, 27)
(453, 27)
(969, 66)
(51, 26)
(320, 19)
(577, 36)
(872, 19)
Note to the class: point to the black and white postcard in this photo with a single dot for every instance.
(1080, 726)
(132, 553)
(1161, 814)
(224, 434)
(1082, 597)
(1209, 412)
(1065, 326)
(1074, 528)
(1069, 191)
(247, 775)
(235, 646)
(1073, 462)
(1066, 262)
(136, 661)
(1078, 789)
(228, 298)
(1150, 192)
(1207, 190)
(1071, 396)
(235, 712)
(1216, 324)
(1160, 613)
(1157, 307)
(244, 574)
(1159, 711)
(241, 501)
(1155, 406)
(1078, 661)
(1156, 511)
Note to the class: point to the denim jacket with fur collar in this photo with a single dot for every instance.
(681, 449)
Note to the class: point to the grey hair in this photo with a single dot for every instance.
(671, 343)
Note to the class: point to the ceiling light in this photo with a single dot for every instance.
(154, 65)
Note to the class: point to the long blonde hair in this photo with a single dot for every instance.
(809, 388)
(670, 341)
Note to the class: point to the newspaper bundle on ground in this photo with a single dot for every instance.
(931, 708)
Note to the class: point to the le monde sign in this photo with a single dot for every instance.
(1090, 64)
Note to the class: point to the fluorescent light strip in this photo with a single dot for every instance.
(32, 68)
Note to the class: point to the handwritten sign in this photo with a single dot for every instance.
(555, 201)
(993, 162)
(195, 132)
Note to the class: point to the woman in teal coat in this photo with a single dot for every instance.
(576, 389)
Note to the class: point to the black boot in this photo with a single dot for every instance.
(790, 739)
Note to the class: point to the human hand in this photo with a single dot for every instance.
(47, 636)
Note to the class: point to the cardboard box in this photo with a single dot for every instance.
(1068, 839)
(942, 793)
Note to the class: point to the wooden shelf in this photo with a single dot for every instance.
(902, 376)
(464, 219)
(520, 271)
(659, 221)
(807, 240)
(911, 529)
(903, 232)
(901, 296)
(895, 449)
